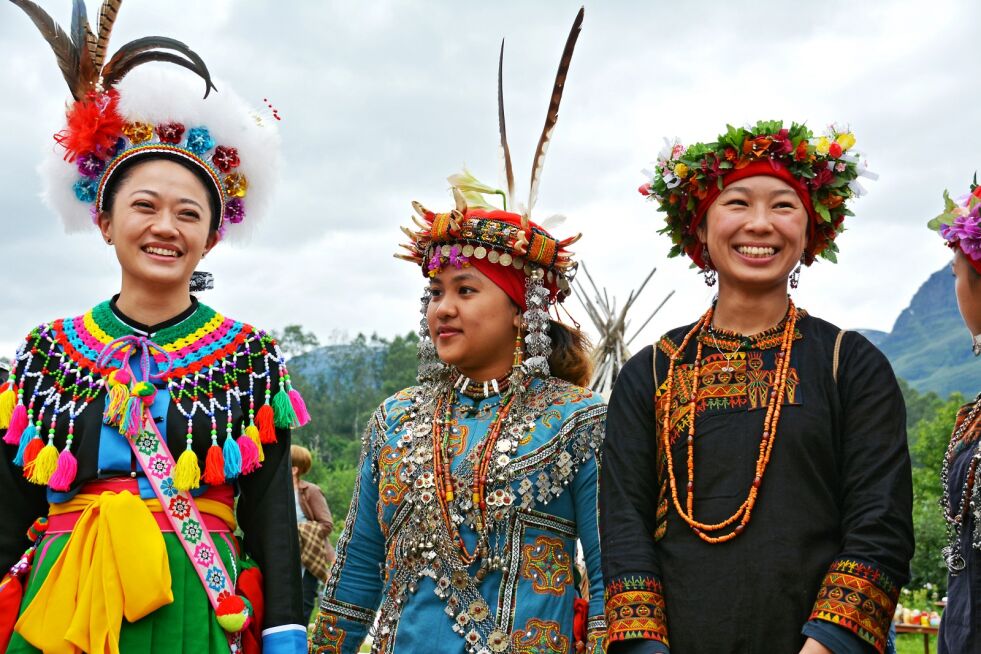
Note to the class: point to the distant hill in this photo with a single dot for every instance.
(929, 346)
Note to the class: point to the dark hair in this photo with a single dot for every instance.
(570, 359)
(125, 169)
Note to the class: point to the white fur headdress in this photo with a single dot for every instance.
(152, 113)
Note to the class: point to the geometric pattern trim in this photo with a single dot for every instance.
(859, 597)
(635, 609)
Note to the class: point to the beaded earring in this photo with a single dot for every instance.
(431, 369)
(538, 345)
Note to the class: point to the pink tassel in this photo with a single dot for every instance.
(299, 407)
(250, 454)
(64, 474)
(18, 423)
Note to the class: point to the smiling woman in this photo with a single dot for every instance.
(771, 466)
(139, 436)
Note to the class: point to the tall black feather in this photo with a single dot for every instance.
(107, 18)
(62, 46)
(551, 118)
(130, 56)
(87, 72)
(505, 150)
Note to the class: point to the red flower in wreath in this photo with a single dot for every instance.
(225, 158)
(170, 132)
(800, 154)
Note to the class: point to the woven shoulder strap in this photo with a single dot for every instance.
(837, 354)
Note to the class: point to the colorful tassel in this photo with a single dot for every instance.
(35, 445)
(117, 397)
(266, 423)
(42, 467)
(187, 472)
(233, 459)
(25, 439)
(299, 407)
(8, 399)
(283, 410)
(253, 433)
(64, 473)
(214, 467)
(18, 423)
(250, 455)
(37, 529)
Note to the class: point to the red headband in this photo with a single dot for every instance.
(508, 279)
(765, 167)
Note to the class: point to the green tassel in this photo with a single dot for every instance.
(284, 415)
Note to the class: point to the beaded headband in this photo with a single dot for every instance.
(960, 224)
(824, 171)
(117, 118)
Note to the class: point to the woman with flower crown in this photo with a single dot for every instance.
(756, 492)
(140, 435)
(960, 628)
(476, 484)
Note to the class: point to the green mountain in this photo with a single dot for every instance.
(929, 346)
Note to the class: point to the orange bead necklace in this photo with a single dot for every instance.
(743, 514)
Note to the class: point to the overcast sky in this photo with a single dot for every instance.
(382, 100)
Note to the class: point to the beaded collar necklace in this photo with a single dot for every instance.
(743, 514)
(955, 519)
(477, 390)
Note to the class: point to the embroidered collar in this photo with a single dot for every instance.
(725, 340)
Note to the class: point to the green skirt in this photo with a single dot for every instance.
(188, 625)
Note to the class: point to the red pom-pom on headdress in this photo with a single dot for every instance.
(94, 126)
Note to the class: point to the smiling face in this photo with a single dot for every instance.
(756, 231)
(472, 322)
(159, 223)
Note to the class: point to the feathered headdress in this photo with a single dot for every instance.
(113, 120)
(476, 229)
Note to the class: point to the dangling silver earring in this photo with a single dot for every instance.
(976, 346)
(538, 346)
(708, 272)
(795, 276)
(431, 368)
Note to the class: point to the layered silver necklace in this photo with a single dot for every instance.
(969, 505)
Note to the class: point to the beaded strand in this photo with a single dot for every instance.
(775, 402)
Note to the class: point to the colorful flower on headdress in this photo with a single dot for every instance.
(960, 223)
(199, 141)
(235, 211)
(225, 158)
(170, 132)
(684, 177)
(89, 165)
(86, 189)
(138, 132)
(439, 260)
(93, 125)
(236, 185)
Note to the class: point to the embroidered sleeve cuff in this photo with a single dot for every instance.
(596, 634)
(859, 597)
(635, 609)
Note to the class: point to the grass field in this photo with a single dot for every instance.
(913, 644)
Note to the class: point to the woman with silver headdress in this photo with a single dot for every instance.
(476, 484)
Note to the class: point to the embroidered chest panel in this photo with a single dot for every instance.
(542, 445)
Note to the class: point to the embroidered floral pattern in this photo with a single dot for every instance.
(180, 507)
(547, 564)
(540, 637)
(391, 488)
(327, 638)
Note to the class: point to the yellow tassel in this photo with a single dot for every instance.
(7, 401)
(44, 465)
(116, 403)
(253, 433)
(187, 472)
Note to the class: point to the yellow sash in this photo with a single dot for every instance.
(114, 565)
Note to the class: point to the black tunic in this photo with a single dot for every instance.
(831, 534)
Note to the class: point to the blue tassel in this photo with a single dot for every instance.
(25, 438)
(233, 459)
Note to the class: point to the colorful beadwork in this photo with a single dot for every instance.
(859, 597)
(211, 365)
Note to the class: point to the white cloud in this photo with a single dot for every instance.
(382, 100)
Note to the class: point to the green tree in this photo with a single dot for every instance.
(928, 443)
(293, 341)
